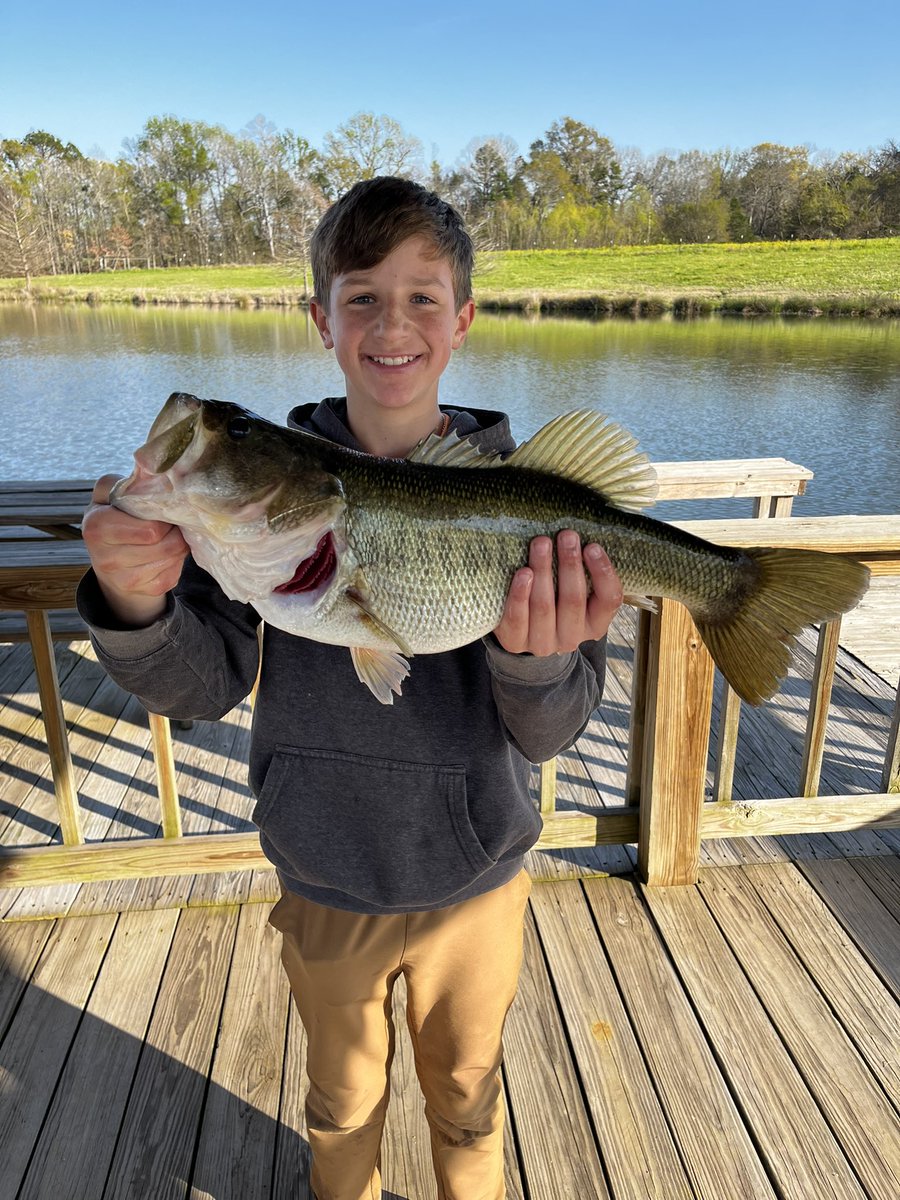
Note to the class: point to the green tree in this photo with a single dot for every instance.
(24, 247)
(172, 172)
(36, 173)
(489, 174)
(636, 220)
(821, 209)
(703, 220)
(20, 234)
(548, 181)
(739, 227)
(588, 158)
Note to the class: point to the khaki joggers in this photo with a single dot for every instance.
(461, 965)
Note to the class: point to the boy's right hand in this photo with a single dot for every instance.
(136, 562)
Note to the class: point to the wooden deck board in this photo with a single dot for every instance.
(832, 1068)
(857, 997)
(850, 891)
(638, 1154)
(552, 1126)
(714, 1144)
(290, 1174)
(795, 1142)
(715, 1042)
(34, 1051)
(100, 1067)
(158, 1137)
(237, 1137)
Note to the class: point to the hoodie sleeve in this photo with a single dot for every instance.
(546, 703)
(196, 662)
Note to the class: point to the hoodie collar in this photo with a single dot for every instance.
(488, 430)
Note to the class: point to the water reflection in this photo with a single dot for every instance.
(79, 386)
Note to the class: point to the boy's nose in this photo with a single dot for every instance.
(391, 318)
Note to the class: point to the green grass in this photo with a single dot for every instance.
(849, 277)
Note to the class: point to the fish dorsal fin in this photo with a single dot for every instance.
(591, 449)
(584, 446)
(452, 451)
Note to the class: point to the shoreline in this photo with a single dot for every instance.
(634, 304)
(856, 278)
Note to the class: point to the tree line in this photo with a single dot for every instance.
(188, 193)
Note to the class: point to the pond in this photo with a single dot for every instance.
(79, 386)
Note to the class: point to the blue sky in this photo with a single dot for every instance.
(652, 75)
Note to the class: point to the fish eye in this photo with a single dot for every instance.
(239, 427)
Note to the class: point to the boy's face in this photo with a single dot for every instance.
(393, 328)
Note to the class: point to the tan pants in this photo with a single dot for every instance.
(461, 965)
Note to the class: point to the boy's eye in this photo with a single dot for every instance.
(360, 300)
(420, 299)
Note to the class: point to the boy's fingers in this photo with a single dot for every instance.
(606, 596)
(571, 593)
(103, 487)
(542, 602)
(118, 526)
(512, 632)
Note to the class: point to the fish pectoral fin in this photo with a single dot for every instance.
(382, 671)
(645, 602)
(363, 604)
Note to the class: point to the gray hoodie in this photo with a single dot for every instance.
(363, 806)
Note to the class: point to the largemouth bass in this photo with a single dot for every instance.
(396, 557)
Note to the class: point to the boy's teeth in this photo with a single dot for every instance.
(393, 362)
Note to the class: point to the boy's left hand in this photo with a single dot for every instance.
(540, 618)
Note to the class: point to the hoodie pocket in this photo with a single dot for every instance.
(391, 834)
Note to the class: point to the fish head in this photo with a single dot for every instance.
(214, 465)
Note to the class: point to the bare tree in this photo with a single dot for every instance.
(20, 233)
(366, 146)
(23, 247)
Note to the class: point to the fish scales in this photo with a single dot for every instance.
(458, 559)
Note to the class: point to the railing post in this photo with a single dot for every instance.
(548, 787)
(55, 726)
(164, 761)
(890, 776)
(819, 700)
(679, 707)
(637, 725)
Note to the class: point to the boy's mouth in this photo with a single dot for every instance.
(397, 360)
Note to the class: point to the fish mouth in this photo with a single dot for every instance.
(168, 452)
(314, 573)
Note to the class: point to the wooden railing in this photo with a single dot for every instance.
(667, 814)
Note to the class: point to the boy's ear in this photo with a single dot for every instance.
(320, 316)
(463, 321)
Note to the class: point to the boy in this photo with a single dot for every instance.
(398, 832)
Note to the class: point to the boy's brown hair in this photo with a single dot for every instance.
(371, 220)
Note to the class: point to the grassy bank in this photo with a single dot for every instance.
(858, 278)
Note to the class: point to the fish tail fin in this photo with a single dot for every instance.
(788, 590)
